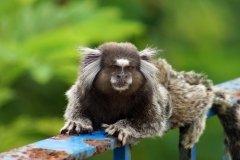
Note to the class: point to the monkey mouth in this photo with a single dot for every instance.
(120, 86)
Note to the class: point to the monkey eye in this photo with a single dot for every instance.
(113, 67)
(129, 68)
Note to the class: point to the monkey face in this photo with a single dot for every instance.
(121, 74)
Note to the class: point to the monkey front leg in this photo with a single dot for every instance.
(126, 129)
(76, 122)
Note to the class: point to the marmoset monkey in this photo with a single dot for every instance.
(125, 92)
(118, 90)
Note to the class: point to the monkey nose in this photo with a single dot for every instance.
(122, 76)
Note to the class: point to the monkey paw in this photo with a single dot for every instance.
(189, 140)
(73, 127)
(122, 134)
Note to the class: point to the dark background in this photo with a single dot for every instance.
(39, 60)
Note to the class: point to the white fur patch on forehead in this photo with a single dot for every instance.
(122, 62)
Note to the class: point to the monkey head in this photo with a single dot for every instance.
(120, 68)
(117, 68)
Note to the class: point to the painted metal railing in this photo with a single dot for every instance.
(86, 145)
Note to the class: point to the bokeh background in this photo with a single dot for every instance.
(39, 60)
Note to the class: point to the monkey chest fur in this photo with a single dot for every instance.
(107, 109)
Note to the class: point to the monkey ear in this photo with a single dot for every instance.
(147, 53)
(91, 55)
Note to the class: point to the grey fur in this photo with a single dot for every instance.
(191, 102)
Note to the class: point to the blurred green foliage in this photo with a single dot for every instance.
(39, 59)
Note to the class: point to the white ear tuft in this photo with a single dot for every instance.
(89, 73)
(148, 52)
(90, 65)
(91, 55)
(150, 72)
(87, 51)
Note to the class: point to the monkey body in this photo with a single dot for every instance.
(125, 92)
(118, 91)
(191, 96)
